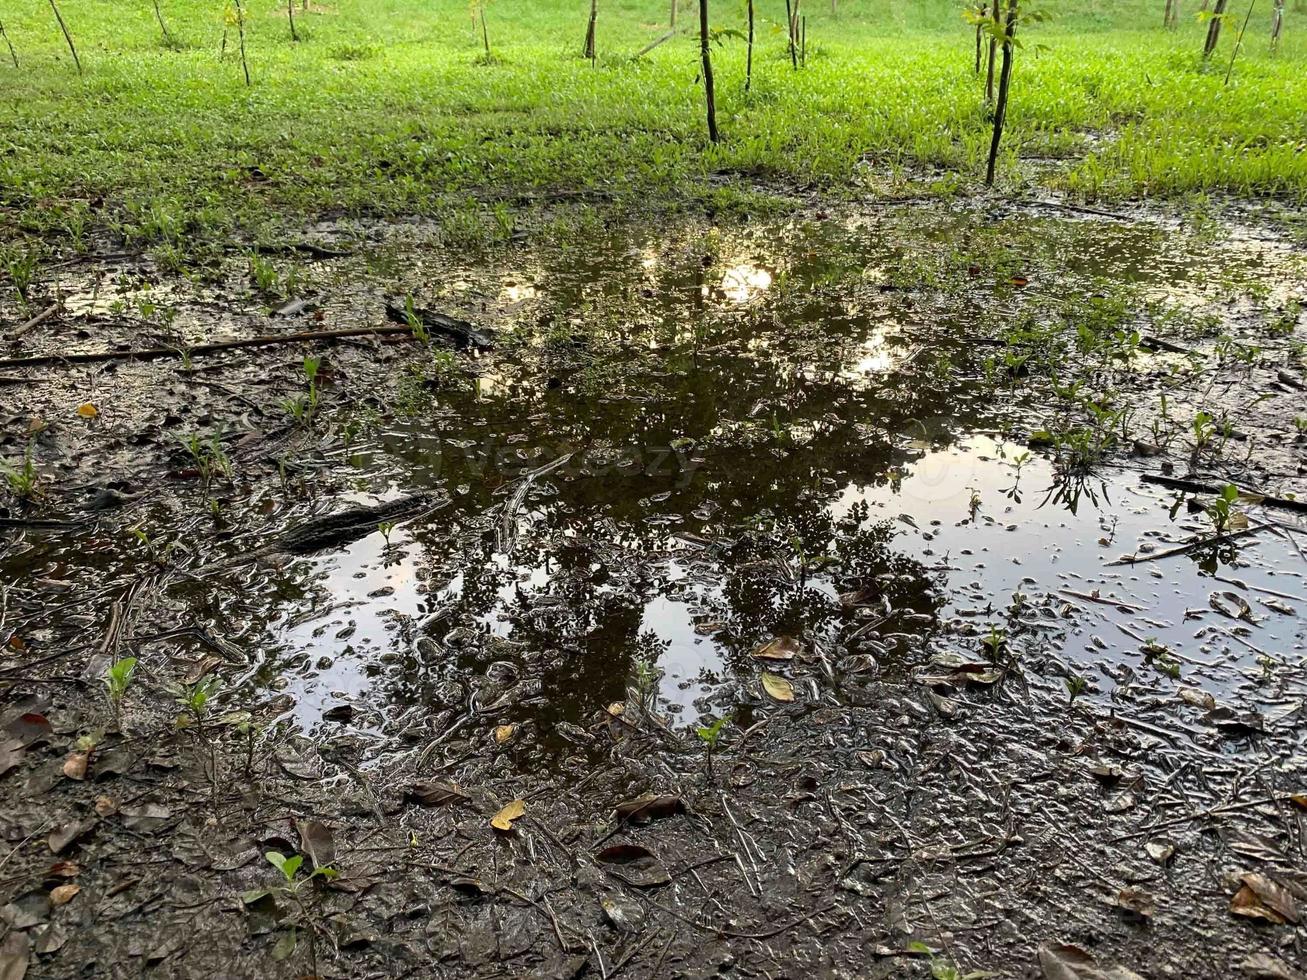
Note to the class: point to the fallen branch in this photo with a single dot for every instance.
(156, 353)
(1203, 814)
(1136, 558)
(36, 321)
(1193, 486)
(653, 44)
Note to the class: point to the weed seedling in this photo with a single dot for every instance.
(1220, 510)
(292, 887)
(1076, 685)
(117, 679)
(709, 735)
(302, 408)
(420, 332)
(21, 479)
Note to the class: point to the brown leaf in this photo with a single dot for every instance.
(63, 894)
(1260, 897)
(779, 648)
(1062, 961)
(503, 820)
(61, 837)
(1264, 966)
(14, 956)
(649, 807)
(146, 816)
(29, 727)
(430, 793)
(317, 842)
(777, 687)
(11, 754)
(1199, 699)
(64, 869)
(1136, 902)
(105, 806)
(75, 765)
(504, 732)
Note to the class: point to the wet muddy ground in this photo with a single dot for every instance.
(852, 595)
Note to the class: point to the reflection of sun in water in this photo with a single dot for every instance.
(514, 293)
(741, 283)
(873, 356)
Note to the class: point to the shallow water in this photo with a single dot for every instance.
(747, 426)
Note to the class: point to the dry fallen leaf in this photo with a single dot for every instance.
(1199, 699)
(779, 648)
(430, 793)
(317, 842)
(75, 765)
(1260, 897)
(649, 807)
(87, 411)
(503, 820)
(63, 894)
(1160, 851)
(617, 709)
(104, 805)
(1136, 902)
(1062, 961)
(504, 732)
(777, 687)
(639, 866)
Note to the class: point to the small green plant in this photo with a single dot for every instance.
(21, 479)
(645, 686)
(709, 735)
(386, 527)
(1076, 685)
(292, 887)
(1220, 510)
(304, 407)
(1300, 426)
(995, 644)
(22, 266)
(420, 332)
(117, 679)
(196, 699)
(210, 457)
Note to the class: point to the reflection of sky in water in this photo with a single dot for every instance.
(743, 282)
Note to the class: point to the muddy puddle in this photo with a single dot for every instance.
(981, 529)
(687, 442)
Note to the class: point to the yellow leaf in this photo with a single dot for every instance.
(616, 709)
(777, 687)
(87, 411)
(504, 732)
(503, 820)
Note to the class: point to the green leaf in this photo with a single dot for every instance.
(254, 894)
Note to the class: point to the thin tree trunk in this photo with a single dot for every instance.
(672, 22)
(1166, 17)
(158, 15)
(803, 41)
(485, 36)
(1239, 40)
(67, 37)
(1004, 81)
(590, 31)
(789, 27)
(1214, 28)
(14, 55)
(290, 15)
(979, 32)
(706, 55)
(1277, 23)
(748, 58)
(993, 49)
(240, 30)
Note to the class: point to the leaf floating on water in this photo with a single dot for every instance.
(1233, 605)
(777, 687)
(779, 648)
(1062, 961)
(1260, 897)
(504, 732)
(503, 820)
(87, 411)
(649, 807)
(430, 793)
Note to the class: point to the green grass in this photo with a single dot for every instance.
(389, 107)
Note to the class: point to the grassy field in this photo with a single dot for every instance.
(391, 107)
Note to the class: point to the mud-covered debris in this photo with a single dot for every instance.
(777, 687)
(1135, 902)
(146, 816)
(1261, 897)
(1120, 803)
(14, 955)
(636, 865)
(1063, 961)
(11, 754)
(650, 807)
(463, 334)
(1233, 605)
(472, 887)
(1199, 699)
(503, 820)
(431, 793)
(1264, 966)
(1160, 851)
(67, 833)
